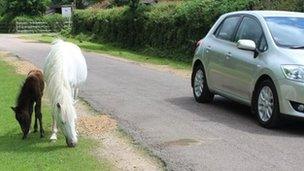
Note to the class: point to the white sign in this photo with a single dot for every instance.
(66, 11)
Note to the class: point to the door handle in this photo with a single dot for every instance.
(228, 55)
(208, 48)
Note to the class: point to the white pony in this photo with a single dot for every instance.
(64, 70)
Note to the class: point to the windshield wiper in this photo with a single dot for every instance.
(296, 47)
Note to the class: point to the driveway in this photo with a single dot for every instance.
(158, 110)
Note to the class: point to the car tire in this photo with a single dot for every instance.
(266, 104)
(201, 91)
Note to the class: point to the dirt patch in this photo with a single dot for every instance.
(94, 125)
(113, 146)
(21, 66)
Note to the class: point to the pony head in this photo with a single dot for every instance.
(23, 119)
(66, 118)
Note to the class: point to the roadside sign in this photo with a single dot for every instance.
(66, 11)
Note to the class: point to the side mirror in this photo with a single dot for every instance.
(246, 44)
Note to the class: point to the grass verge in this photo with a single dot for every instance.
(114, 51)
(35, 153)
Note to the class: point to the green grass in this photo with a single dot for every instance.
(35, 153)
(114, 51)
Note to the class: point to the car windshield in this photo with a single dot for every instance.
(287, 31)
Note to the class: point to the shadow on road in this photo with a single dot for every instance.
(237, 116)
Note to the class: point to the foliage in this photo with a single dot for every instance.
(2, 3)
(287, 5)
(66, 31)
(79, 3)
(120, 2)
(54, 22)
(166, 28)
(134, 4)
(24, 7)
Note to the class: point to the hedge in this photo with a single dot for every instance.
(169, 29)
(53, 23)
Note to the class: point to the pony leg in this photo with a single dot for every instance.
(38, 115)
(54, 130)
(75, 94)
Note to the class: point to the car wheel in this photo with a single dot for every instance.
(201, 90)
(266, 104)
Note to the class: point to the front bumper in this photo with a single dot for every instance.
(290, 91)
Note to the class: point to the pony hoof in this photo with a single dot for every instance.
(41, 133)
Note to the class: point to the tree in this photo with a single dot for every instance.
(24, 7)
(79, 3)
(2, 2)
(134, 5)
(120, 2)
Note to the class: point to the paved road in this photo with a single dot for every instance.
(158, 110)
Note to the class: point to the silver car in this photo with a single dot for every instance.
(255, 58)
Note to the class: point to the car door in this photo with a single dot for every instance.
(217, 46)
(241, 65)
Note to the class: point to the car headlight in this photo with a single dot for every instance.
(294, 72)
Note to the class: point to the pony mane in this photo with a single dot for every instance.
(58, 87)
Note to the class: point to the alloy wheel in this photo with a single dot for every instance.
(265, 104)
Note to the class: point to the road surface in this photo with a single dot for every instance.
(158, 110)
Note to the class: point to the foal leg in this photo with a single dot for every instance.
(27, 131)
(35, 125)
(31, 112)
(54, 130)
(39, 116)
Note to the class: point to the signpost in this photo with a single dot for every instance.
(66, 11)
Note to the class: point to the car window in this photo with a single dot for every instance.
(263, 44)
(227, 28)
(287, 31)
(250, 29)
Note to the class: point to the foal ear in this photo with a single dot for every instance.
(14, 109)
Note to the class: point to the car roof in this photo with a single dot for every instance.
(270, 13)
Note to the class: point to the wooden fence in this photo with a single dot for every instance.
(33, 27)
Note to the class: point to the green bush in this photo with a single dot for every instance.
(80, 4)
(54, 23)
(25, 7)
(2, 4)
(168, 29)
